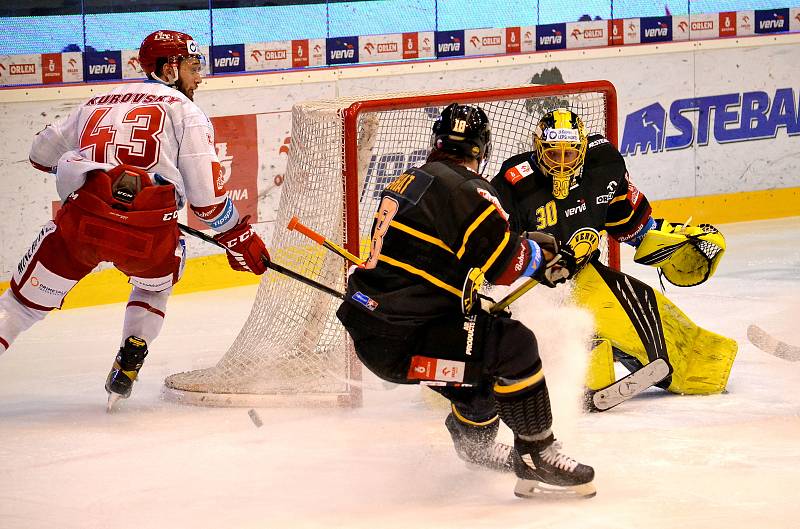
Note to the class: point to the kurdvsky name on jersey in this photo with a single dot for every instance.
(728, 118)
(772, 20)
(342, 50)
(655, 29)
(551, 37)
(103, 66)
(228, 58)
(450, 43)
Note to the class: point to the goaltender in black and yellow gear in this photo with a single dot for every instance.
(686, 255)
(633, 319)
(635, 325)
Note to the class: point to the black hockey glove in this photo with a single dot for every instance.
(558, 269)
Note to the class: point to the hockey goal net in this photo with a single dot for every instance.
(292, 350)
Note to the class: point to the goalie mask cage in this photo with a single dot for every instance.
(292, 351)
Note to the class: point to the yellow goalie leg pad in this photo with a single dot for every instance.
(701, 360)
(600, 373)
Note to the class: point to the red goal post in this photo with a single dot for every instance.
(292, 351)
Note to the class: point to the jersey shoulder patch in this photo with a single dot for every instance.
(410, 185)
(517, 172)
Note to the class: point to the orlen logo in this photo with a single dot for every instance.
(387, 47)
(135, 65)
(269, 55)
(746, 22)
(776, 22)
(72, 66)
(702, 25)
(109, 67)
(660, 31)
(555, 38)
(228, 62)
(494, 40)
(590, 33)
(452, 46)
(21, 69)
(683, 26)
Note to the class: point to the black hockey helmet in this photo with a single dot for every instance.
(463, 130)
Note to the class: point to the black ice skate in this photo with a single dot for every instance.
(476, 445)
(126, 367)
(545, 472)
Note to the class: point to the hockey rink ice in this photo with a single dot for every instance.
(662, 461)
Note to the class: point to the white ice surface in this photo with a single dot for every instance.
(662, 461)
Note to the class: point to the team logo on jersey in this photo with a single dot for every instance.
(518, 172)
(583, 243)
(493, 199)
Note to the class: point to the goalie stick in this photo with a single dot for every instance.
(767, 343)
(630, 386)
(269, 264)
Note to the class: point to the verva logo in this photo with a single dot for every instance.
(452, 46)
(660, 31)
(234, 59)
(547, 40)
(22, 69)
(775, 23)
(342, 54)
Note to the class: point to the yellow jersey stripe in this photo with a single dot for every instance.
(463, 419)
(497, 252)
(617, 199)
(421, 273)
(522, 384)
(419, 235)
(472, 228)
(621, 222)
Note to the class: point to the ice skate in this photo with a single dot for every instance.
(476, 446)
(544, 472)
(126, 367)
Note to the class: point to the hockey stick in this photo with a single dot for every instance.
(269, 264)
(295, 224)
(513, 296)
(767, 343)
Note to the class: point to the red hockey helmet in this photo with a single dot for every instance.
(169, 45)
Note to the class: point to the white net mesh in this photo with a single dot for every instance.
(292, 348)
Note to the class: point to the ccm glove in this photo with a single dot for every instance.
(245, 249)
(559, 268)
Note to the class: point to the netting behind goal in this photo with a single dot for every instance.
(292, 350)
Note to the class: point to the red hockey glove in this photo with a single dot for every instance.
(245, 249)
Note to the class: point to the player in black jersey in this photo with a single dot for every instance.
(438, 229)
(575, 187)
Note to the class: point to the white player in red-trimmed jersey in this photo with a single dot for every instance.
(126, 161)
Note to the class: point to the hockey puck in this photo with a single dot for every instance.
(255, 418)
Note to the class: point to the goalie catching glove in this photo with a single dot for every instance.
(561, 265)
(687, 255)
(245, 249)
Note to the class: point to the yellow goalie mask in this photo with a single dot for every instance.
(559, 142)
(687, 255)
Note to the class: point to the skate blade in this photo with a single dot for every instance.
(112, 399)
(527, 488)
